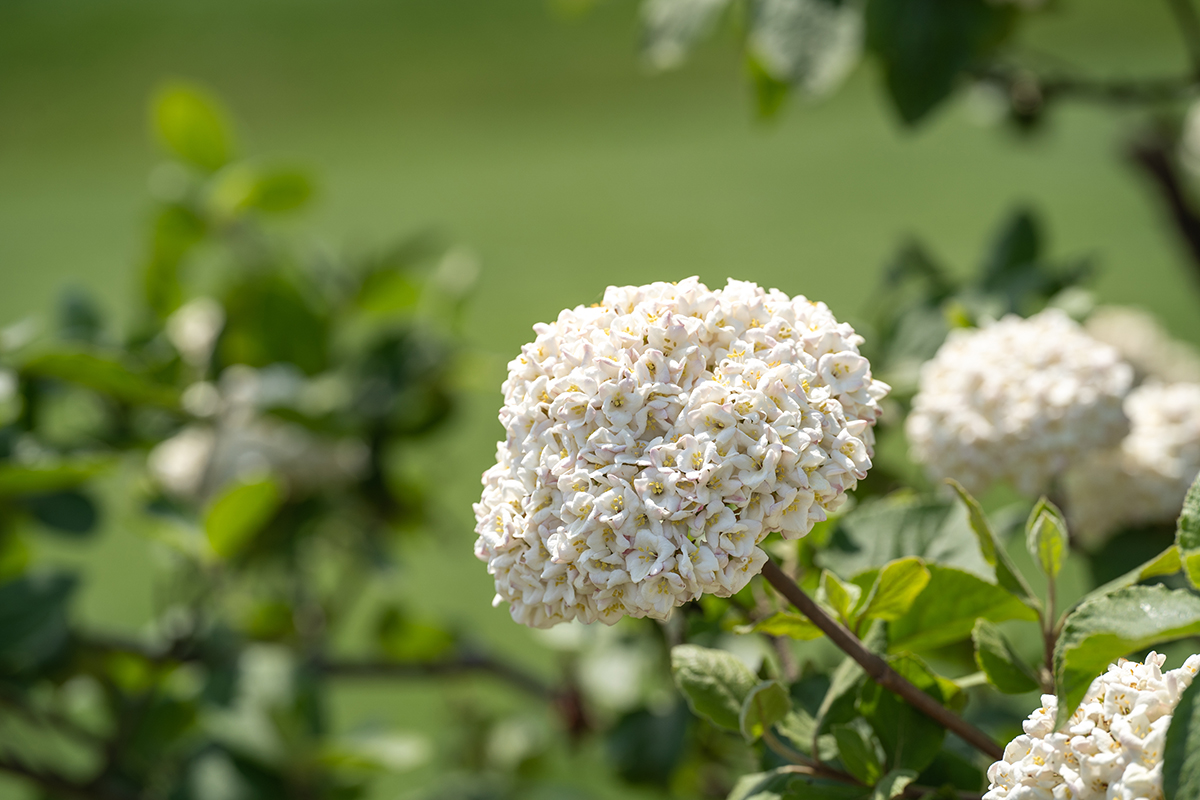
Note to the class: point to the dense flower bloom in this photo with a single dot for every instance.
(1144, 344)
(655, 439)
(1112, 747)
(1145, 479)
(1017, 401)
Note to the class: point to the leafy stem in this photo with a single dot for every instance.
(875, 667)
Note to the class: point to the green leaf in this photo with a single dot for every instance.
(842, 597)
(405, 639)
(269, 319)
(859, 751)
(910, 739)
(946, 611)
(714, 682)
(1017, 246)
(1046, 537)
(1105, 628)
(19, 479)
(102, 373)
(924, 46)
(766, 704)
(1007, 574)
(70, 511)
(246, 187)
(1004, 669)
(897, 587)
(33, 620)
(671, 28)
(900, 525)
(192, 125)
(811, 44)
(784, 623)
(1167, 562)
(1188, 534)
(893, 784)
(1181, 757)
(236, 517)
(784, 784)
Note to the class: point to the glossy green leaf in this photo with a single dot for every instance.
(947, 610)
(192, 125)
(893, 784)
(1046, 537)
(784, 623)
(1167, 562)
(859, 751)
(1004, 668)
(896, 589)
(1188, 533)
(1101, 630)
(239, 513)
(714, 682)
(1181, 757)
(766, 704)
(671, 28)
(1007, 574)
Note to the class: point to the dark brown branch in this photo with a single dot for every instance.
(1152, 155)
(876, 668)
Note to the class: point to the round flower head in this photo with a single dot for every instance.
(1112, 747)
(1017, 401)
(1144, 344)
(655, 439)
(1145, 479)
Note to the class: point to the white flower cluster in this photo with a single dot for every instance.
(1112, 747)
(655, 439)
(1017, 401)
(1146, 478)
(1144, 344)
(237, 440)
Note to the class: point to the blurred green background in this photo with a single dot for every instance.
(532, 134)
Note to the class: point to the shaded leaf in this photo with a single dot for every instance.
(946, 611)
(69, 511)
(1007, 574)
(1099, 631)
(1181, 757)
(1188, 533)
(1004, 668)
(102, 373)
(910, 739)
(714, 682)
(33, 620)
(783, 784)
(406, 639)
(861, 754)
(766, 704)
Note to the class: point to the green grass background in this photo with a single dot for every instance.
(536, 137)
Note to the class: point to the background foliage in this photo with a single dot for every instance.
(565, 168)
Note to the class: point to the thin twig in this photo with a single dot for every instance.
(1189, 29)
(876, 668)
(1026, 86)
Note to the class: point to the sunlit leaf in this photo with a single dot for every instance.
(947, 610)
(237, 515)
(714, 682)
(191, 124)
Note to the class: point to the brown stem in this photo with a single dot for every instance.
(876, 668)
(1152, 154)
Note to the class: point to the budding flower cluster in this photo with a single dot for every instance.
(655, 439)
(1146, 478)
(1112, 747)
(1017, 401)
